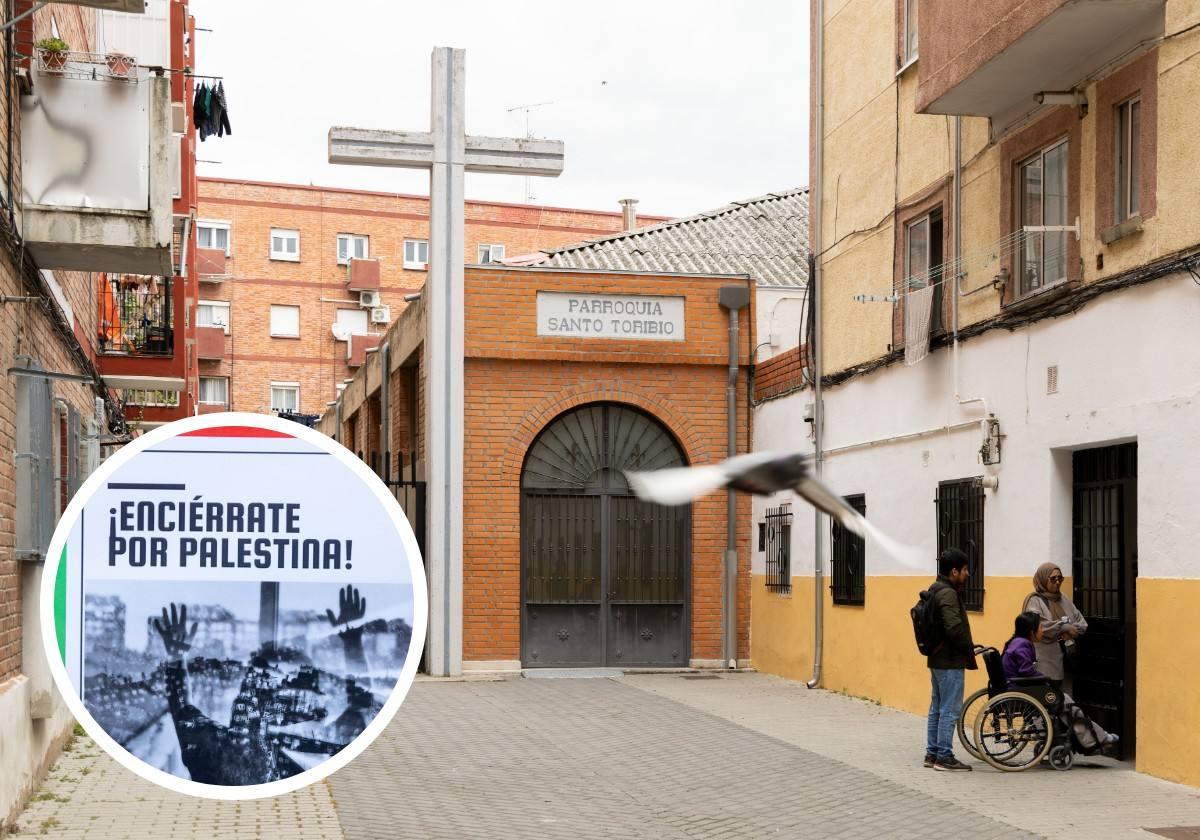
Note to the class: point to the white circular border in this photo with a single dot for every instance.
(234, 792)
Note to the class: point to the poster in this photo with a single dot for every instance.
(239, 606)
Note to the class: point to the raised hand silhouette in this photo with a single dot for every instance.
(351, 607)
(173, 629)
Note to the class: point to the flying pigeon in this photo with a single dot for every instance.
(762, 474)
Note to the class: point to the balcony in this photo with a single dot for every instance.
(993, 61)
(210, 343)
(358, 346)
(135, 315)
(210, 265)
(362, 275)
(96, 150)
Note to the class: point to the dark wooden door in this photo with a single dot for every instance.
(604, 576)
(1104, 586)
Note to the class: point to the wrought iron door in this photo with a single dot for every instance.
(604, 576)
(1104, 586)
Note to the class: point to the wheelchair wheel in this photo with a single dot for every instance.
(966, 721)
(1013, 732)
(1061, 757)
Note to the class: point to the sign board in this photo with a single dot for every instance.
(239, 606)
(636, 317)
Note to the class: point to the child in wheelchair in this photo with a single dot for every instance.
(1020, 667)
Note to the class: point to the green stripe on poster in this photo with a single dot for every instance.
(60, 605)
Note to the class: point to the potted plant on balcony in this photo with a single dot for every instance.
(119, 64)
(54, 53)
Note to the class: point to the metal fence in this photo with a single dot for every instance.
(407, 489)
(136, 317)
(776, 540)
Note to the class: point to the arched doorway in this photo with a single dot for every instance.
(605, 577)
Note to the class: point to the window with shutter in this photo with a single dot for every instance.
(35, 467)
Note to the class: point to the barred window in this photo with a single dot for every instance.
(849, 564)
(776, 540)
(959, 506)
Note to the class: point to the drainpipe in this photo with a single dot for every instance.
(814, 351)
(958, 276)
(385, 405)
(734, 299)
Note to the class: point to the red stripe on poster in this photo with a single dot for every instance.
(236, 431)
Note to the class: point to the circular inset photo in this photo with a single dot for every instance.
(238, 608)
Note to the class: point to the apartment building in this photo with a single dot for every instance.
(298, 283)
(1007, 246)
(97, 199)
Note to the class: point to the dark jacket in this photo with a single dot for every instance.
(957, 649)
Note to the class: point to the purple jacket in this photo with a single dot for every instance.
(1020, 659)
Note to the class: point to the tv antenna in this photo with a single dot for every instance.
(529, 196)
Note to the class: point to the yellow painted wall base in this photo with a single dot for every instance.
(869, 651)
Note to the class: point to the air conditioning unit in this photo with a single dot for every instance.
(368, 300)
(381, 315)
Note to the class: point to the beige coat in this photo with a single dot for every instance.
(1049, 653)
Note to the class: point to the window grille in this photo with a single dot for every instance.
(849, 564)
(779, 548)
(959, 507)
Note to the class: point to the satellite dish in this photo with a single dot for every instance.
(341, 332)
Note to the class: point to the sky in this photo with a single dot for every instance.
(685, 106)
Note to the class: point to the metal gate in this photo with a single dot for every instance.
(604, 576)
(1104, 568)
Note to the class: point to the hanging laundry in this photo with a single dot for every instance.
(224, 127)
(199, 110)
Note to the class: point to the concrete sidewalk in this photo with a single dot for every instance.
(661, 756)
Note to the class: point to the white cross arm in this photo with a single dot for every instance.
(414, 150)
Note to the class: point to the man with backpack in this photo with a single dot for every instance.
(944, 635)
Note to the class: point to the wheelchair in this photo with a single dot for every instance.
(1013, 724)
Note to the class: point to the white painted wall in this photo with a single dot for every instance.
(1129, 369)
(779, 312)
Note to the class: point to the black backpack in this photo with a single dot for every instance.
(927, 622)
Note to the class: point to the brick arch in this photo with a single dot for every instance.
(542, 414)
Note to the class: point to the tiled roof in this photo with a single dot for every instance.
(765, 237)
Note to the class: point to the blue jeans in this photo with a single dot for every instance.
(944, 709)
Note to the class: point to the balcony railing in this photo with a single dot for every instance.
(136, 317)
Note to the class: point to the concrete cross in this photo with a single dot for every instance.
(447, 152)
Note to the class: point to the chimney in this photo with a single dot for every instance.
(629, 213)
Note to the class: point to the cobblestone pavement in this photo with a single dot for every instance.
(654, 756)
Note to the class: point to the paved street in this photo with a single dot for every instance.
(653, 756)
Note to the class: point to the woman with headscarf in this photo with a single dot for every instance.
(1062, 623)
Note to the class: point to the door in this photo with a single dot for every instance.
(1104, 568)
(604, 575)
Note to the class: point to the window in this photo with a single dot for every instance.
(491, 253)
(351, 246)
(285, 396)
(285, 321)
(923, 261)
(848, 565)
(959, 506)
(910, 31)
(778, 545)
(141, 396)
(416, 253)
(214, 390)
(213, 313)
(1127, 159)
(213, 235)
(355, 320)
(1042, 202)
(33, 452)
(285, 244)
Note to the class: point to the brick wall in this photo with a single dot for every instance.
(316, 359)
(780, 374)
(517, 383)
